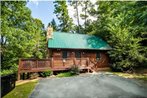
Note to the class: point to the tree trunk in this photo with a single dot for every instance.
(78, 17)
(86, 13)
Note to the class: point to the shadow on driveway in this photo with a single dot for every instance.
(99, 85)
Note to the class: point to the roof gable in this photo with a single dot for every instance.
(77, 41)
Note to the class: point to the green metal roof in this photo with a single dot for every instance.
(77, 41)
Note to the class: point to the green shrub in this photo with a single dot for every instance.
(46, 73)
(74, 70)
(6, 72)
(14, 68)
(11, 70)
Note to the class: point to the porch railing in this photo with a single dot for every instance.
(28, 64)
(57, 63)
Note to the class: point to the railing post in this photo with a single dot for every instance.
(18, 74)
(87, 61)
(63, 61)
(74, 61)
(52, 62)
(36, 63)
(80, 61)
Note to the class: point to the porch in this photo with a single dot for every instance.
(56, 64)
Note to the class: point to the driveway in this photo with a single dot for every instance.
(100, 85)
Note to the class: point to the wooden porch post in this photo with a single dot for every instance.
(52, 62)
(63, 61)
(87, 61)
(36, 63)
(74, 61)
(80, 61)
(88, 65)
(18, 74)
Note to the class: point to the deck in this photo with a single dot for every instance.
(58, 64)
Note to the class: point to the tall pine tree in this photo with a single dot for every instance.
(61, 12)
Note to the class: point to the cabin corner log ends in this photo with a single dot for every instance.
(57, 64)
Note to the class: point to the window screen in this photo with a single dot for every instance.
(78, 54)
(64, 54)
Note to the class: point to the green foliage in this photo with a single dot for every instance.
(53, 24)
(127, 50)
(11, 70)
(46, 73)
(123, 25)
(74, 70)
(6, 72)
(20, 91)
(62, 14)
(86, 5)
(87, 8)
(75, 5)
(21, 35)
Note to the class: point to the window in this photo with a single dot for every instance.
(78, 54)
(98, 56)
(64, 54)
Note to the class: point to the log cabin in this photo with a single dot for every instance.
(65, 50)
(65, 46)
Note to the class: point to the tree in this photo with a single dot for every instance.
(39, 39)
(75, 4)
(62, 14)
(21, 35)
(121, 25)
(127, 51)
(53, 24)
(101, 13)
(86, 6)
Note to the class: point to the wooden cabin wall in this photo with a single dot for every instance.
(104, 55)
(88, 54)
(71, 54)
(57, 53)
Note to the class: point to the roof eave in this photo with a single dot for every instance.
(78, 48)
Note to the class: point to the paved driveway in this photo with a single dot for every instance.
(89, 86)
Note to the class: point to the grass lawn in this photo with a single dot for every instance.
(65, 74)
(132, 76)
(22, 90)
